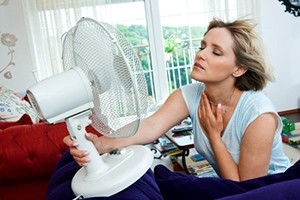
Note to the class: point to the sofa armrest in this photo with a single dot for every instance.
(31, 150)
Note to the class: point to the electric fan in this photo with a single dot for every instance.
(103, 85)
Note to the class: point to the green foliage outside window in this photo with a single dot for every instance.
(176, 41)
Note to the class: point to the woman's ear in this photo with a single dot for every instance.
(239, 71)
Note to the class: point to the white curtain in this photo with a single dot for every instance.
(48, 20)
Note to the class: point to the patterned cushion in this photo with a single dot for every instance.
(12, 107)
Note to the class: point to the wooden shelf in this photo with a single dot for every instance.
(292, 115)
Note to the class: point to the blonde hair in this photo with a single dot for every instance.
(249, 54)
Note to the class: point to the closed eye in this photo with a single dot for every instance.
(215, 48)
(217, 53)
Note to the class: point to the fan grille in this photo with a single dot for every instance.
(115, 73)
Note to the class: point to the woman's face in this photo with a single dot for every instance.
(215, 60)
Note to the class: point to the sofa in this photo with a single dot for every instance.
(29, 155)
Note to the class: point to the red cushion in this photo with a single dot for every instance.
(31, 150)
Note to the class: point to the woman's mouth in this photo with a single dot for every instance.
(198, 66)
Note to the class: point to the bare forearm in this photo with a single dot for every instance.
(146, 134)
(227, 166)
(150, 131)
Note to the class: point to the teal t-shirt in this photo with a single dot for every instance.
(250, 105)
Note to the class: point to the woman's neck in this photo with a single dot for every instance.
(227, 98)
(221, 96)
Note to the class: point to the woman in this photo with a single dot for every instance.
(236, 127)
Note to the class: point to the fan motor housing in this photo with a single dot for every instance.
(61, 96)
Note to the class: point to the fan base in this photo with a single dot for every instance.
(124, 169)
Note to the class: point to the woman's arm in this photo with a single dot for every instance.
(256, 147)
(213, 126)
(256, 144)
(255, 151)
(173, 111)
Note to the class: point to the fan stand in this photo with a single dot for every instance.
(109, 173)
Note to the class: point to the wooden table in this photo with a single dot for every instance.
(184, 141)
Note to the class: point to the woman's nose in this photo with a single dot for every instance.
(201, 54)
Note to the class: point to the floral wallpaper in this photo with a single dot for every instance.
(8, 41)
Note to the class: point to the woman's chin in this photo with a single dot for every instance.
(196, 76)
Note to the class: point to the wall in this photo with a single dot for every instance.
(15, 60)
(280, 31)
(281, 34)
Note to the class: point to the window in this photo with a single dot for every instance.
(164, 33)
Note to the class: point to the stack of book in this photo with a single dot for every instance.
(198, 166)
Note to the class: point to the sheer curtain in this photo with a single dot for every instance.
(48, 20)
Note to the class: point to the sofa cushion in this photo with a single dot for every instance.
(277, 191)
(31, 150)
(174, 185)
(60, 185)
